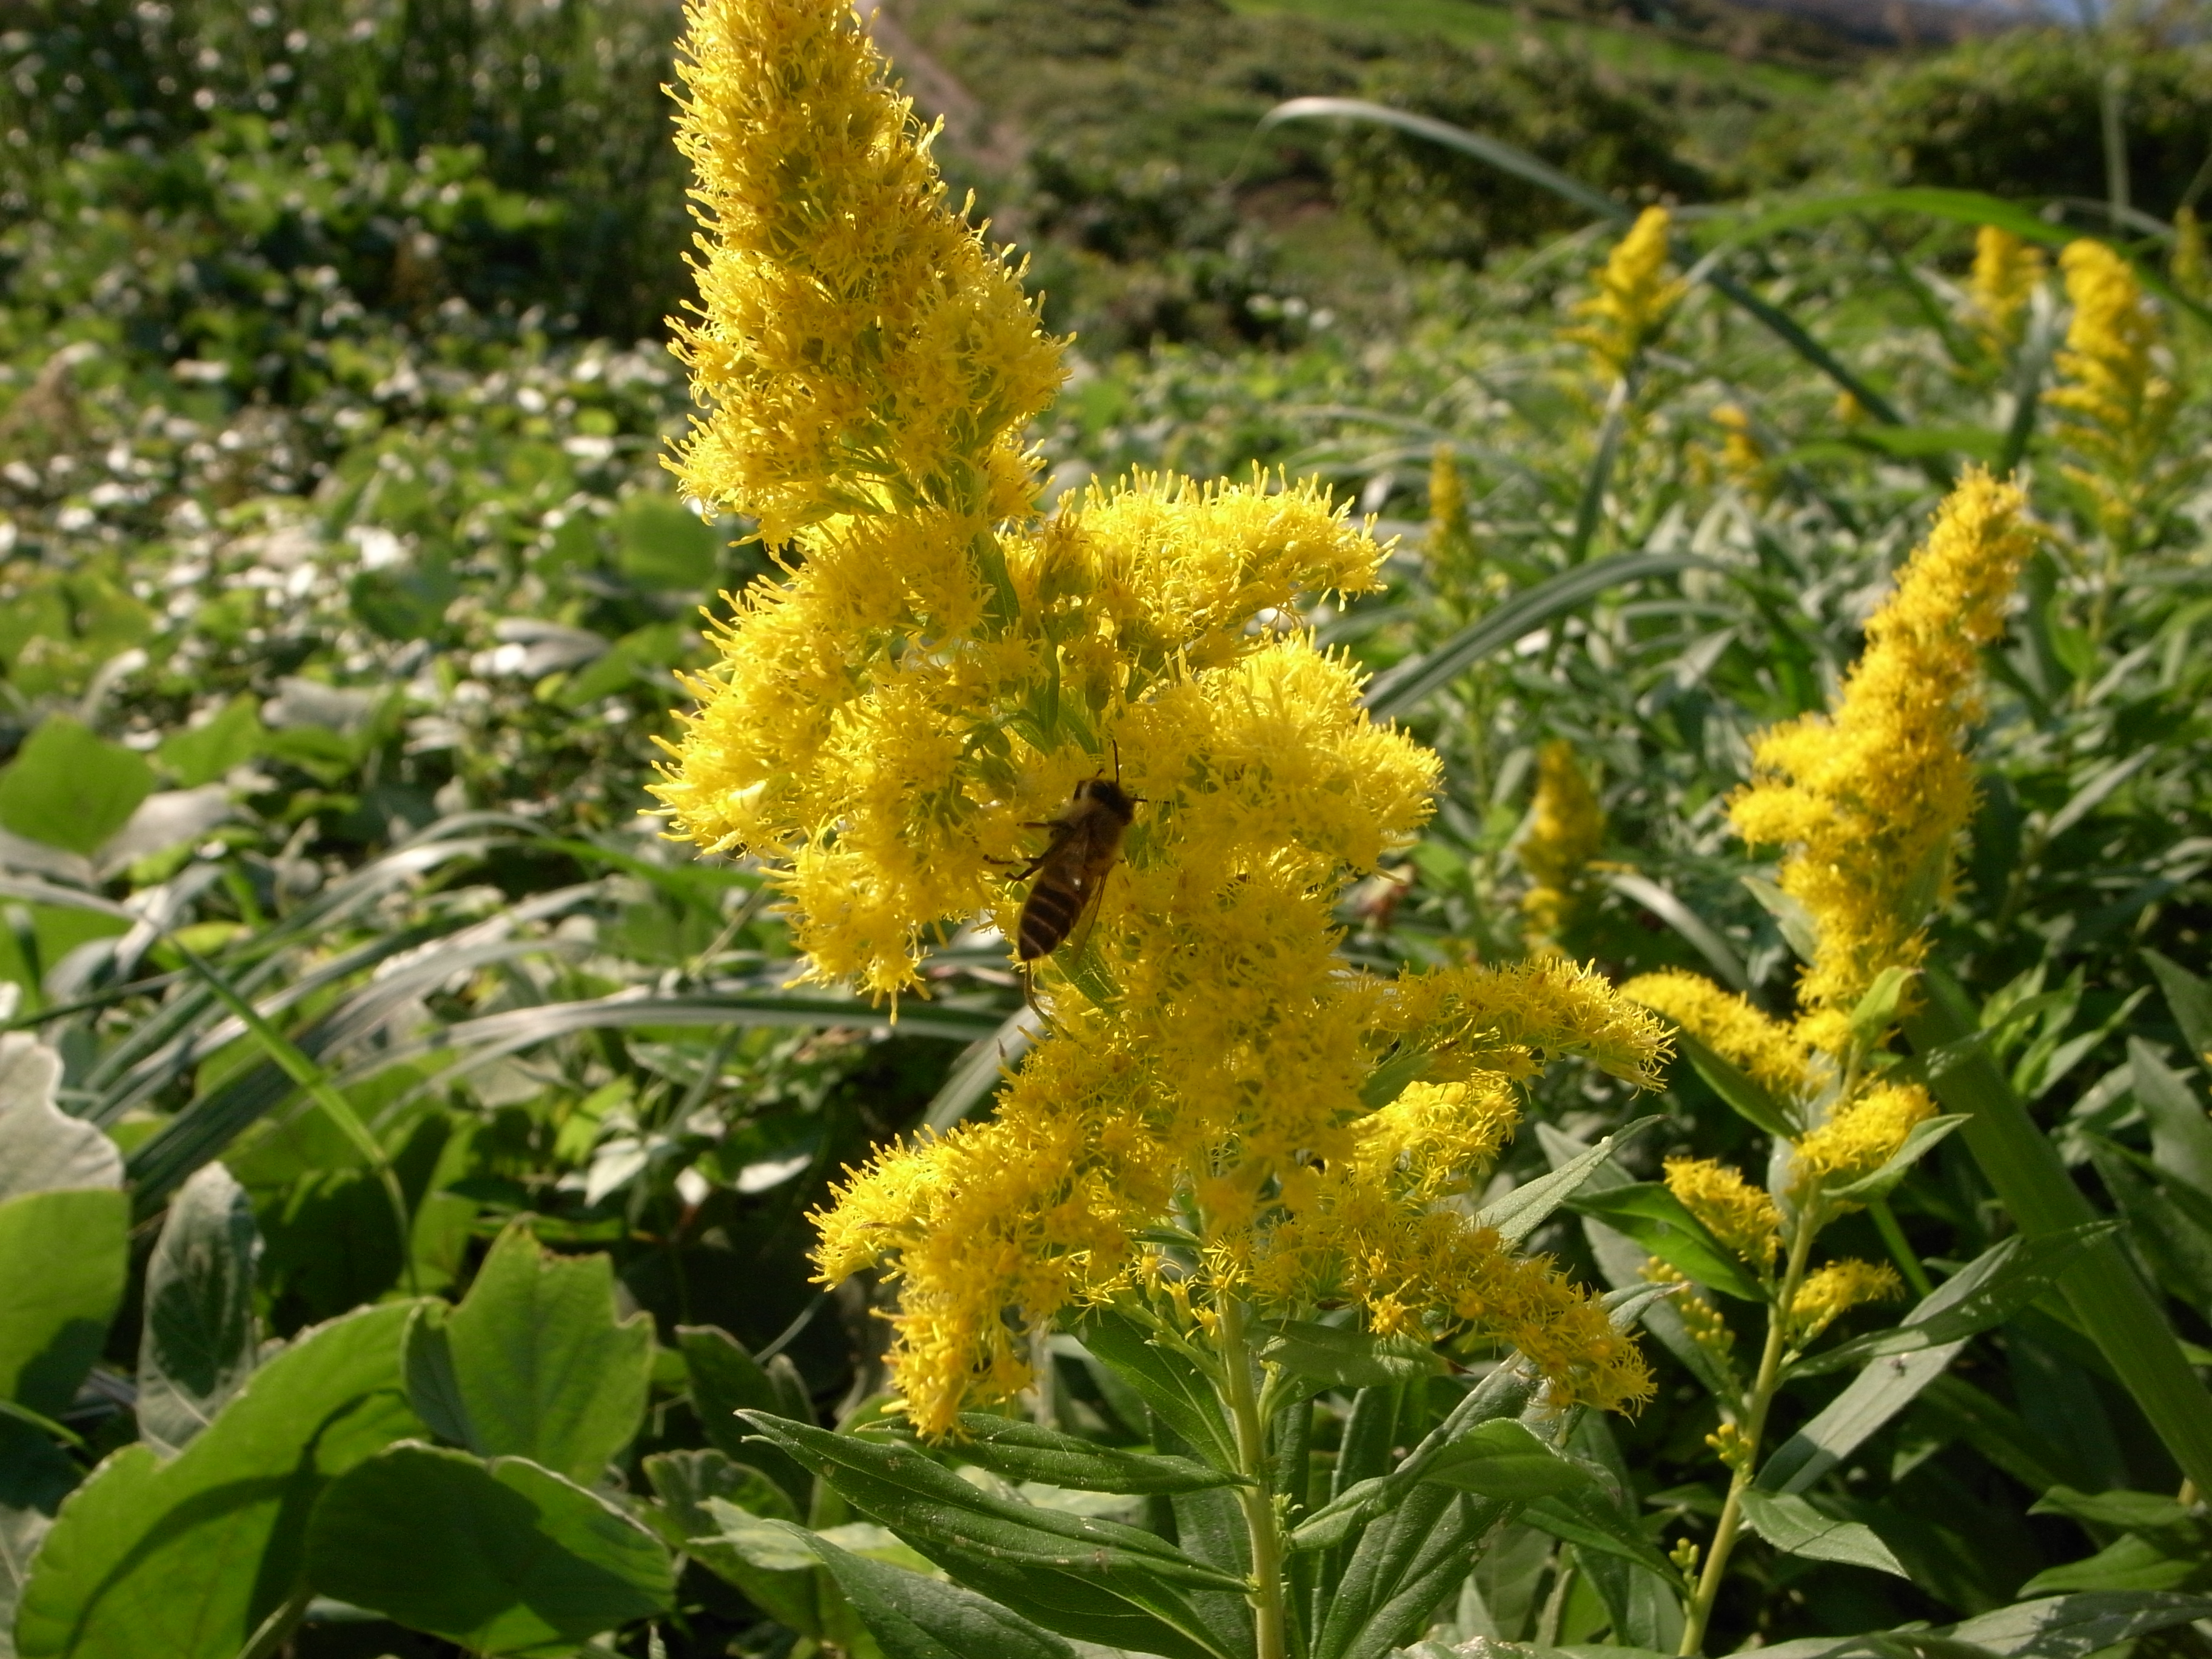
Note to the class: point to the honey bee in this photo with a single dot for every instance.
(1071, 873)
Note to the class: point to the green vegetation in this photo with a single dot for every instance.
(405, 1155)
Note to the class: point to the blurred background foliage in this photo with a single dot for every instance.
(341, 592)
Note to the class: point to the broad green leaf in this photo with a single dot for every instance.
(62, 1270)
(661, 543)
(1921, 1138)
(2180, 1133)
(912, 1616)
(200, 1339)
(1345, 1359)
(1169, 1383)
(1793, 1526)
(1021, 1450)
(201, 754)
(504, 1557)
(698, 1490)
(42, 1148)
(1657, 1220)
(21, 1532)
(2074, 1626)
(2191, 1000)
(2131, 1562)
(541, 1366)
(68, 788)
(726, 1379)
(185, 1559)
(1527, 1206)
(1987, 1290)
(1502, 1459)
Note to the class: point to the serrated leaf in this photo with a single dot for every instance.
(1793, 1526)
(1663, 1225)
(1021, 1450)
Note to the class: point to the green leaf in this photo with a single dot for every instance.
(1736, 1087)
(2191, 1000)
(185, 1559)
(1987, 1290)
(1527, 1206)
(42, 1148)
(912, 1616)
(699, 1492)
(1919, 1140)
(67, 788)
(1883, 1389)
(1658, 1221)
(1793, 1526)
(200, 1339)
(1590, 1520)
(1406, 1562)
(1502, 1459)
(1169, 1383)
(2127, 1564)
(1092, 1579)
(1405, 686)
(201, 754)
(1877, 1010)
(540, 1366)
(1799, 930)
(2074, 1626)
(1344, 1357)
(726, 1379)
(662, 543)
(62, 1269)
(2180, 1133)
(1021, 1450)
(504, 1557)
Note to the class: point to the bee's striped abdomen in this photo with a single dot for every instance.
(1048, 916)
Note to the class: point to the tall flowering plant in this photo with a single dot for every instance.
(1237, 1167)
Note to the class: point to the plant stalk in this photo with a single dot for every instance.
(1763, 1390)
(1261, 1525)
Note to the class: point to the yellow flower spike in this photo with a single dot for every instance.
(1830, 1292)
(2007, 272)
(1773, 1054)
(1567, 830)
(1708, 1328)
(1864, 1133)
(1741, 1216)
(1869, 798)
(1743, 458)
(933, 670)
(1450, 545)
(2119, 403)
(1634, 297)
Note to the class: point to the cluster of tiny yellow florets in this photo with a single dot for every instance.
(1768, 1050)
(1864, 1133)
(1830, 1292)
(2007, 272)
(1869, 798)
(1567, 830)
(1450, 547)
(935, 669)
(1634, 296)
(1739, 1215)
(2119, 402)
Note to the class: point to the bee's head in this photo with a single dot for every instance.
(1110, 795)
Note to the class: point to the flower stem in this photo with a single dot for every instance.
(1753, 1425)
(1261, 1524)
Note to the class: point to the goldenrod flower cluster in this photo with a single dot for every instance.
(935, 670)
(1739, 1215)
(1771, 1052)
(1707, 1327)
(1830, 1292)
(1634, 297)
(1864, 1133)
(1870, 798)
(2120, 403)
(1743, 458)
(1567, 830)
(1451, 543)
(2006, 271)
